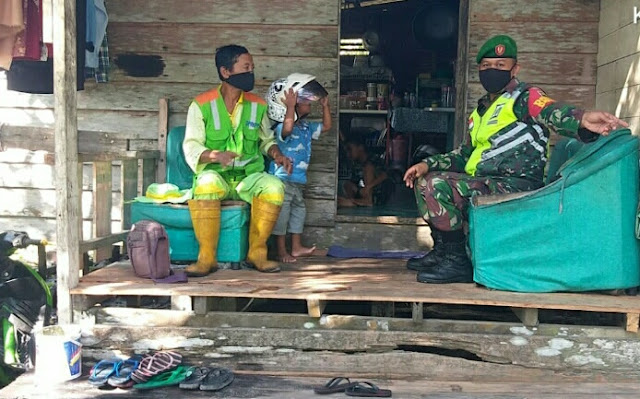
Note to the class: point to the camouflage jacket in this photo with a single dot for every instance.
(553, 117)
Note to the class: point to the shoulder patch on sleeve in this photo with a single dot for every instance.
(470, 123)
(538, 100)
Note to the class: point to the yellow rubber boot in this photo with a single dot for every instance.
(263, 218)
(205, 216)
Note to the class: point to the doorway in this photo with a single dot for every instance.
(398, 103)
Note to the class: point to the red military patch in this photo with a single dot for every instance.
(470, 124)
(537, 101)
(500, 49)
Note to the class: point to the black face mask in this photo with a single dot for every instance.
(243, 81)
(493, 80)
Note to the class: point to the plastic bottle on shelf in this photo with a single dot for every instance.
(412, 100)
(407, 99)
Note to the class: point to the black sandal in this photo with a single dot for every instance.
(334, 385)
(367, 390)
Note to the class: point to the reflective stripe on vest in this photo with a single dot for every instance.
(499, 131)
(216, 114)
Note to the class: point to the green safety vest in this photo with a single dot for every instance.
(243, 140)
(505, 146)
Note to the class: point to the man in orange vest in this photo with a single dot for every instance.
(504, 151)
(226, 138)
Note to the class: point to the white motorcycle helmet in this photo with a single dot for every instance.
(305, 85)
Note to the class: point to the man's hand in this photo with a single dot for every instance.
(415, 172)
(601, 122)
(284, 162)
(224, 158)
(290, 98)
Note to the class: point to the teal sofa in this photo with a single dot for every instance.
(577, 233)
(183, 247)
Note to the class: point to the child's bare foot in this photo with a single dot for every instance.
(302, 252)
(286, 258)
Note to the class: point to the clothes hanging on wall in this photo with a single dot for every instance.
(101, 73)
(11, 23)
(96, 34)
(28, 45)
(37, 76)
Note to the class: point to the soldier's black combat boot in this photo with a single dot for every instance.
(427, 261)
(452, 266)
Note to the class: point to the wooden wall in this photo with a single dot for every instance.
(557, 44)
(618, 89)
(165, 48)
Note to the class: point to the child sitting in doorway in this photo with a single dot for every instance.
(369, 183)
(289, 102)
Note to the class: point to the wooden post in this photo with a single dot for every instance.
(163, 126)
(128, 189)
(528, 316)
(461, 74)
(632, 321)
(102, 184)
(417, 312)
(148, 173)
(315, 307)
(68, 184)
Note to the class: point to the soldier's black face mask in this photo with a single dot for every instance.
(493, 80)
(243, 81)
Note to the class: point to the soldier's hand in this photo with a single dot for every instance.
(415, 172)
(601, 122)
(224, 158)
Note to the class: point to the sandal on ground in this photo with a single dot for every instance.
(156, 364)
(217, 379)
(167, 379)
(195, 376)
(101, 372)
(367, 390)
(334, 385)
(122, 376)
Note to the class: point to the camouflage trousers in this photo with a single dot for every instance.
(443, 197)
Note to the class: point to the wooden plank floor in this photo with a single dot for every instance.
(283, 387)
(330, 279)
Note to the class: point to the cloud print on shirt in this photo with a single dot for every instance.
(300, 147)
(302, 165)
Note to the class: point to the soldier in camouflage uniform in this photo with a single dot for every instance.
(505, 151)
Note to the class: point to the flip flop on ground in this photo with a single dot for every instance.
(122, 376)
(101, 372)
(334, 385)
(217, 379)
(167, 379)
(195, 377)
(156, 364)
(367, 390)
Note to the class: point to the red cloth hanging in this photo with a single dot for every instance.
(29, 42)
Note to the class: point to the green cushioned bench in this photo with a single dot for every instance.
(234, 226)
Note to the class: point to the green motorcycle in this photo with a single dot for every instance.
(25, 301)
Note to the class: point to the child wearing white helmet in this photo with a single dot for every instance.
(289, 102)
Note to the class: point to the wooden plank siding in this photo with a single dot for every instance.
(557, 44)
(618, 88)
(183, 36)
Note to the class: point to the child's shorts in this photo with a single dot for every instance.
(293, 212)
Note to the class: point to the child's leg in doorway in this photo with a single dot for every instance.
(296, 222)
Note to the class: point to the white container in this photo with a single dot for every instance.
(58, 354)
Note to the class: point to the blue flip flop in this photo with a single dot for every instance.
(122, 376)
(101, 372)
